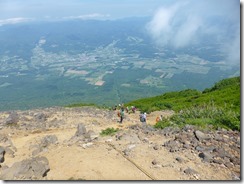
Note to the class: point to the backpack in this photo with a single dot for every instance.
(142, 119)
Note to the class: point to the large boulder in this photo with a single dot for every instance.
(131, 138)
(29, 169)
(201, 136)
(91, 135)
(44, 143)
(49, 139)
(81, 130)
(13, 118)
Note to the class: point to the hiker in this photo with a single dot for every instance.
(122, 115)
(127, 109)
(159, 118)
(143, 118)
(133, 108)
(115, 108)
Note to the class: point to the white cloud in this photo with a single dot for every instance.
(184, 24)
(88, 16)
(161, 25)
(15, 20)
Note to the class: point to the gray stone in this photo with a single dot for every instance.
(235, 160)
(49, 139)
(172, 145)
(36, 151)
(179, 159)
(201, 136)
(81, 130)
(126, 152)
(131, 146)
(155, 162)
(44, 143)
(207, 157)
(40, 117)
(2, 152)
(186, 146)
(220, 152)
(130, 137)
(200, 148)
(156, 147)
(189, 128)
(168, 131)
(13, 118)
(91, 135)
(29, 169)
(218, 161)
(190, 171)
(87, 145)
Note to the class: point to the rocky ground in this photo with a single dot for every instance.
(65, 144)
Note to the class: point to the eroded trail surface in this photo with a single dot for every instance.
(65, 144)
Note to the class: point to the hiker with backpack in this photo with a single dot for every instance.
(143, 118)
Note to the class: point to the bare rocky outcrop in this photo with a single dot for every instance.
(59, 134)
(218, 147)
(44, 143)
(28, 169)
(13, 118)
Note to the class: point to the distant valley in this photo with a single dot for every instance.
(104, 62)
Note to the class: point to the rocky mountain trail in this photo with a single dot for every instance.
(65, 144)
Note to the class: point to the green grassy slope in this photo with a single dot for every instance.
(225, 93)
(218, 106)
(214, 107)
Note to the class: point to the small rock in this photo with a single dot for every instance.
(190, 171)
(155, 162)
(167, 165)
(132, 146)
(179, 159)
(156, 147)
(2, 152)
(109, 140)
(207, 157)
(146, 140)
(87, 145)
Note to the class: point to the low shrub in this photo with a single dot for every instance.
(163, 123)
(109, 131)
(208, 114)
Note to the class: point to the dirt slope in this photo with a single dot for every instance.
(133, 156)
